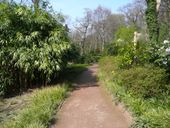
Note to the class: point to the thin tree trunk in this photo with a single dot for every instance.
(45, 80)
(20, 81)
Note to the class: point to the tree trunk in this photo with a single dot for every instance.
(45, 80)
(152, 20)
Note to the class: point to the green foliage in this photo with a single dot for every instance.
(123, 46)
(71, 72)
(152, 19)
(109, 64)
(129, 53)
(5, 81)
(111, 49)
(145, 81)
(158, 54)
(34, 45)
(153, 112)
(74, 54)
(164, 31)
(38, 113)
(125, 34)
(138, 75)
(91, 57)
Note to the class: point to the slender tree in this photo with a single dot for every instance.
(83, 26)
(135, 14)
(36, 3)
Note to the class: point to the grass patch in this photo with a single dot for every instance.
(150, 112)
(43, 105)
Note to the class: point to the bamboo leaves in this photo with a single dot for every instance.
(34, 45)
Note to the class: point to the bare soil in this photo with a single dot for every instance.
(9, 107)
(89, 106)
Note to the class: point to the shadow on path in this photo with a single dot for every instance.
(87, 78)
(89, 107)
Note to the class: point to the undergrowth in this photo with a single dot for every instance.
(43, 105)
(71, 72)
(148, 112)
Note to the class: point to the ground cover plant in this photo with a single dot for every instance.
(144, 91)
(43, 104)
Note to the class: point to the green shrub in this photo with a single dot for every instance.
(91, 57)
(5, 82)
(122, 46)
(125, 33)
(71, 72)
(153, 112)
(34, 46)
(145, 81)
(111, 49)
(73, 54)
(109, 64)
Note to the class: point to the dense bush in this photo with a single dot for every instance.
(110, 64)
(73, 54)
(149, 111)
(91, 57)
(124, 41)
(123, 46)
(128, 52)
(164, 31)
(111, 49)
(126, 34)
(34, 45)
(145, 81)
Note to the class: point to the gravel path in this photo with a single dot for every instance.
(89, 106)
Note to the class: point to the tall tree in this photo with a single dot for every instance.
(163, 19)
(36, 3)
(152, 19)
(83, 26)
(164, 10)
(135, 14)
(101, 15)
(97, 28)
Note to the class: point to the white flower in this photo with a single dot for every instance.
(165, 62)
(120, 40)
(168, 50)
(166, 42)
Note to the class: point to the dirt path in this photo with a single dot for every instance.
(90, 107)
